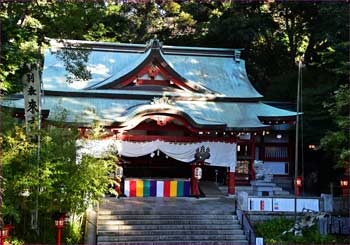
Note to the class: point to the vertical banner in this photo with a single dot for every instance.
(153, 191)
(187, 188)
(132, 189)
(127, 188)
(160, 188)
(166, 192)
(32, 92)
(180, 188)
(139, 188)
(146, 188)
(173, 188)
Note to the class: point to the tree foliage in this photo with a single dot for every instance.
(336, 141)
(273, 35)
(61, 184)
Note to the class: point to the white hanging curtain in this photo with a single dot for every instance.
(221, 154)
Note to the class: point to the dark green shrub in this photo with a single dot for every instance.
(272, 230)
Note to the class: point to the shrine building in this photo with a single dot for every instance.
(167, 110)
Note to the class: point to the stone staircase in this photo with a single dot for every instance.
(168, 221)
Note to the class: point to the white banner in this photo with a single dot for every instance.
(259, 204)
(312, 204)
(221, 154)
(282, 204)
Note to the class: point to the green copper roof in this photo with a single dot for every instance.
(218, 73)
(221, 75)
(84, 111)
(224, 98)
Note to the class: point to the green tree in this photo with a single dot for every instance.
(64, 185)
(336, 141)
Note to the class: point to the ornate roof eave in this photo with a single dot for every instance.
(202, 127)
(121, 95)
(248, 129)
(137, 115)
(278, 118)
(154, 54)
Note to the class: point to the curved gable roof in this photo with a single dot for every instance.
(149, 109)
(205, 70)
(152, 54)
(220, 74)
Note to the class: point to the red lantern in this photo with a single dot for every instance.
(198, 173)
(5, 233)
(344, 184)
(299, 181)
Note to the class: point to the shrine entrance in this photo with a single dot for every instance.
(162, 155)
(157, 165)
(157, 174)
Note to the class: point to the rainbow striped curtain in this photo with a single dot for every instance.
(157, 188)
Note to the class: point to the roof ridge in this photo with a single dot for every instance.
(137, 48)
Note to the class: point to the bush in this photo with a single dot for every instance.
(272, 230)
(58, 183)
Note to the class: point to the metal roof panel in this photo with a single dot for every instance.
(86, 110)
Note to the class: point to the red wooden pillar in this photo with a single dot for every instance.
(297, 191)
(252, 154)
(231, 183)
(59, 236)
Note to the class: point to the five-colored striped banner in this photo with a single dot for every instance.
(157, 188)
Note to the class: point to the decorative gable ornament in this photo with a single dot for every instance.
(153, 70)
(163, 101)
(154, 44)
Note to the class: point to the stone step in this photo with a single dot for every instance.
(166, 227)
(169, 238)
(168, 222)
(170, 232)
(217, 242)
(165, 216)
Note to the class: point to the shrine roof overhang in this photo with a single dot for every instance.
(144, 95)
(207, 71)
(83, 111)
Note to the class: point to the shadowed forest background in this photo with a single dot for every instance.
(274, 36)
